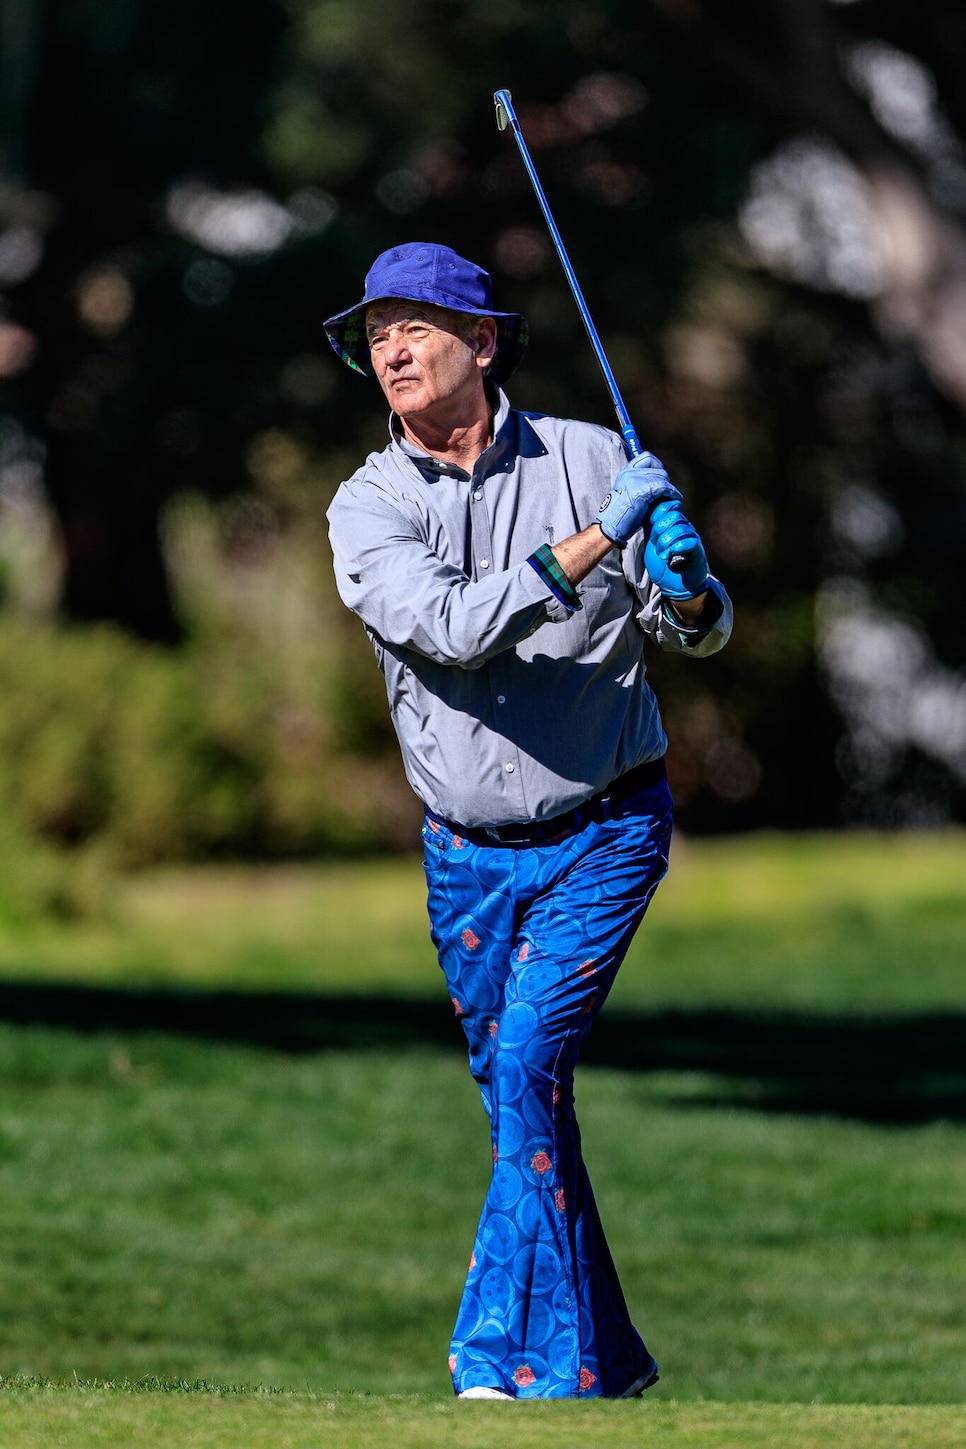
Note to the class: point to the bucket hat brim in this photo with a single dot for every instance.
(422, 277)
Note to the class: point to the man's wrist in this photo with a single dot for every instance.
(697, 624)
(689, 612)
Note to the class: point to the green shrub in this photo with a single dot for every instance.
(36, 879)
(145, 754)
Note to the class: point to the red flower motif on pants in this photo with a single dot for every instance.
(587, 1379)
(587, 968)
(541, 1163)
(452, 1363)
(524, 1376)
(470, 939)
(524, 951)
(560, 1200)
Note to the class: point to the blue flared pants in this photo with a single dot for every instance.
(530, 939)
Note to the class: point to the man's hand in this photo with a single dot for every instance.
(636, 489)
(673, 536)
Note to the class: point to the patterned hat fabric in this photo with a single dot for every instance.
(426, 272)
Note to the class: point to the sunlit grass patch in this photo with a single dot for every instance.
(92, 1416)
(820, 923)
(208, 1212)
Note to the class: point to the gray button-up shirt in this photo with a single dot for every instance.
(509, 706)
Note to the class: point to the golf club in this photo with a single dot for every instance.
(506, 116)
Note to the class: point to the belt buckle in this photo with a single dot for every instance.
(510, 834)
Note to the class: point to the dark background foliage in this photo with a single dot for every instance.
(187, 191)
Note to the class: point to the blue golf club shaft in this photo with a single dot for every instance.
(506, 116)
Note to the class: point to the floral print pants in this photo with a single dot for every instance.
(530, 939)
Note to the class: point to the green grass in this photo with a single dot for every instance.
(199, 1211)
(817, 922)
(34, 1417)
(182, 1216)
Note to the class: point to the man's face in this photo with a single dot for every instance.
(424, 363)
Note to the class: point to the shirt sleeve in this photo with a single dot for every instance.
(390, 576)
(661, 625)
(544, 561)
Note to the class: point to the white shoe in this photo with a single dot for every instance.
(636, 1390)
(481, 1393)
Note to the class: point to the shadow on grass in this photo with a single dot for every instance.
(897, 1068)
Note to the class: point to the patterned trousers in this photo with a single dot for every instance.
(530, 939)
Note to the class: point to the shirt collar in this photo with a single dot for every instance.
(432, 467)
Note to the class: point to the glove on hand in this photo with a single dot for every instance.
(672, 536)
(637, 487)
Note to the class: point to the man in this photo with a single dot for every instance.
(508, 607)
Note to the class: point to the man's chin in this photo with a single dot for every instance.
(408, 404)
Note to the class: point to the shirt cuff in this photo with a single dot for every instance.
(546, 565)
(690, 634)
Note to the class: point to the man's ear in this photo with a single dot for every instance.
(486, 342)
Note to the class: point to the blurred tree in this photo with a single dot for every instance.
(763, 202)
(859, 360)
(127, 382)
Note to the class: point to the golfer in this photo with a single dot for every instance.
(509, 569)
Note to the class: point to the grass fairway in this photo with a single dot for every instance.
(195, 1211)
(825, 923)
(184, 1213)
(98, 1417)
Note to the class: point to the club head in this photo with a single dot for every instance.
(502, 119)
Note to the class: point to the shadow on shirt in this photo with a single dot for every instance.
(889, 1068)
(600, 719)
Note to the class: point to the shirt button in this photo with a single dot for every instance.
(509, 769)
(501, 699)
(477, 496)
(484, 563)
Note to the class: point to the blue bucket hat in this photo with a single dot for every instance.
(425, 272)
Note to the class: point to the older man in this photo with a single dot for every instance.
(508, 606)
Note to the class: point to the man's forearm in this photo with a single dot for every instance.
(581, 552)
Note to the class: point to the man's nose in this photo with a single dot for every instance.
(397, 350)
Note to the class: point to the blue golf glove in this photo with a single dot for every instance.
(673, 536)
(634, 492)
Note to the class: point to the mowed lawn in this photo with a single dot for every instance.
(207, 1418)
(199, 1211)
(815, 922)
(203, 1213)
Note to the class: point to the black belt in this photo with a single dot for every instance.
(532, 832)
